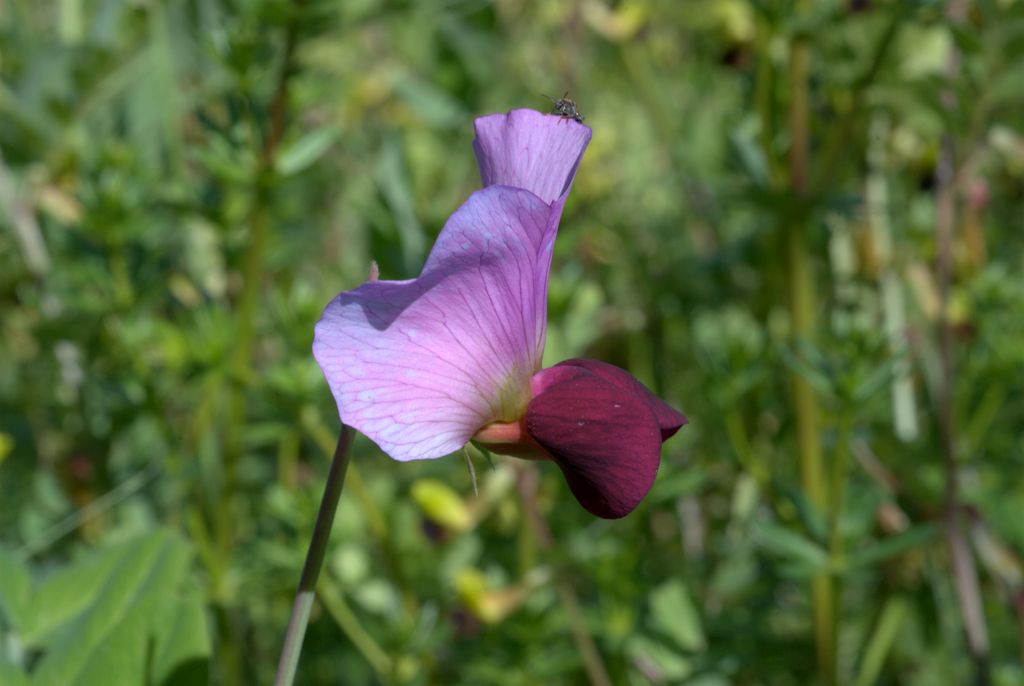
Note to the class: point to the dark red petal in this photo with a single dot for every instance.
(606, 441)
(669, 420)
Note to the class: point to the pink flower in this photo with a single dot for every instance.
(423, 366)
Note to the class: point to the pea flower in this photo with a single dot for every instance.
(425, 365)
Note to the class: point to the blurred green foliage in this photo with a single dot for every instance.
(185, 184)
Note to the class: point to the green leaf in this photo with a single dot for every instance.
(107, 643)
(749, 152)
(393, 181)
(670, 665)
(791, 546)
(675, 615)
(11, 675)
(223, 159)
(671, 486)
(433, 104)
(304, 152)
(15, 590)
(891, 547)
(882, 639)
(65, 593)
(804, 366)
(182, 646)
(880, 377)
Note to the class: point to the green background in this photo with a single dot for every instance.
(185, 184)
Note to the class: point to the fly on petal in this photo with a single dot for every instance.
(420, 365)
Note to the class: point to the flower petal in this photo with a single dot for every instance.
(669, 420)
(605, 439)
(527, 149)
(418, 366)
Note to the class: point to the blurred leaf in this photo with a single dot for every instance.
(878, 378)
(225, 160)
(66, 592)
(891, 547)
(675, 615)
(882, 638)
(670, 486)
(137, 603)
(427, 101)
(393, 181)
(808, 365)
(750, 154)
(15, 589)
(305, 151)
(791, 546)
(11, 675)
(182, 645)
(657, 661)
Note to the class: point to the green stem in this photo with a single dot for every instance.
(965, 573)
(314, 561)
(252, 266)
(802, 309)
(240, 371)
(375, 520)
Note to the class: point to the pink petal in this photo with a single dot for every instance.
(418, 366)
(669, 420)
(527, 149)
(605, 439)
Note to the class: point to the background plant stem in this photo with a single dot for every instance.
(237, 406)
(252, 268)
(802, 315)
(965, 574)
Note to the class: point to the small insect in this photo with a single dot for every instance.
(566, 108)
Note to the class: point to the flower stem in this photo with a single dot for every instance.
(224, 516)
(376, 523)
(802, 309)
(314, 561)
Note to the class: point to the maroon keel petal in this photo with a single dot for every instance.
(606, 440)
(669, 420)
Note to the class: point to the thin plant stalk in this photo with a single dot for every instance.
(802, 310)
(375, 521)
(252, 267)
(965, 574)
(245, 339)
(289, 661)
